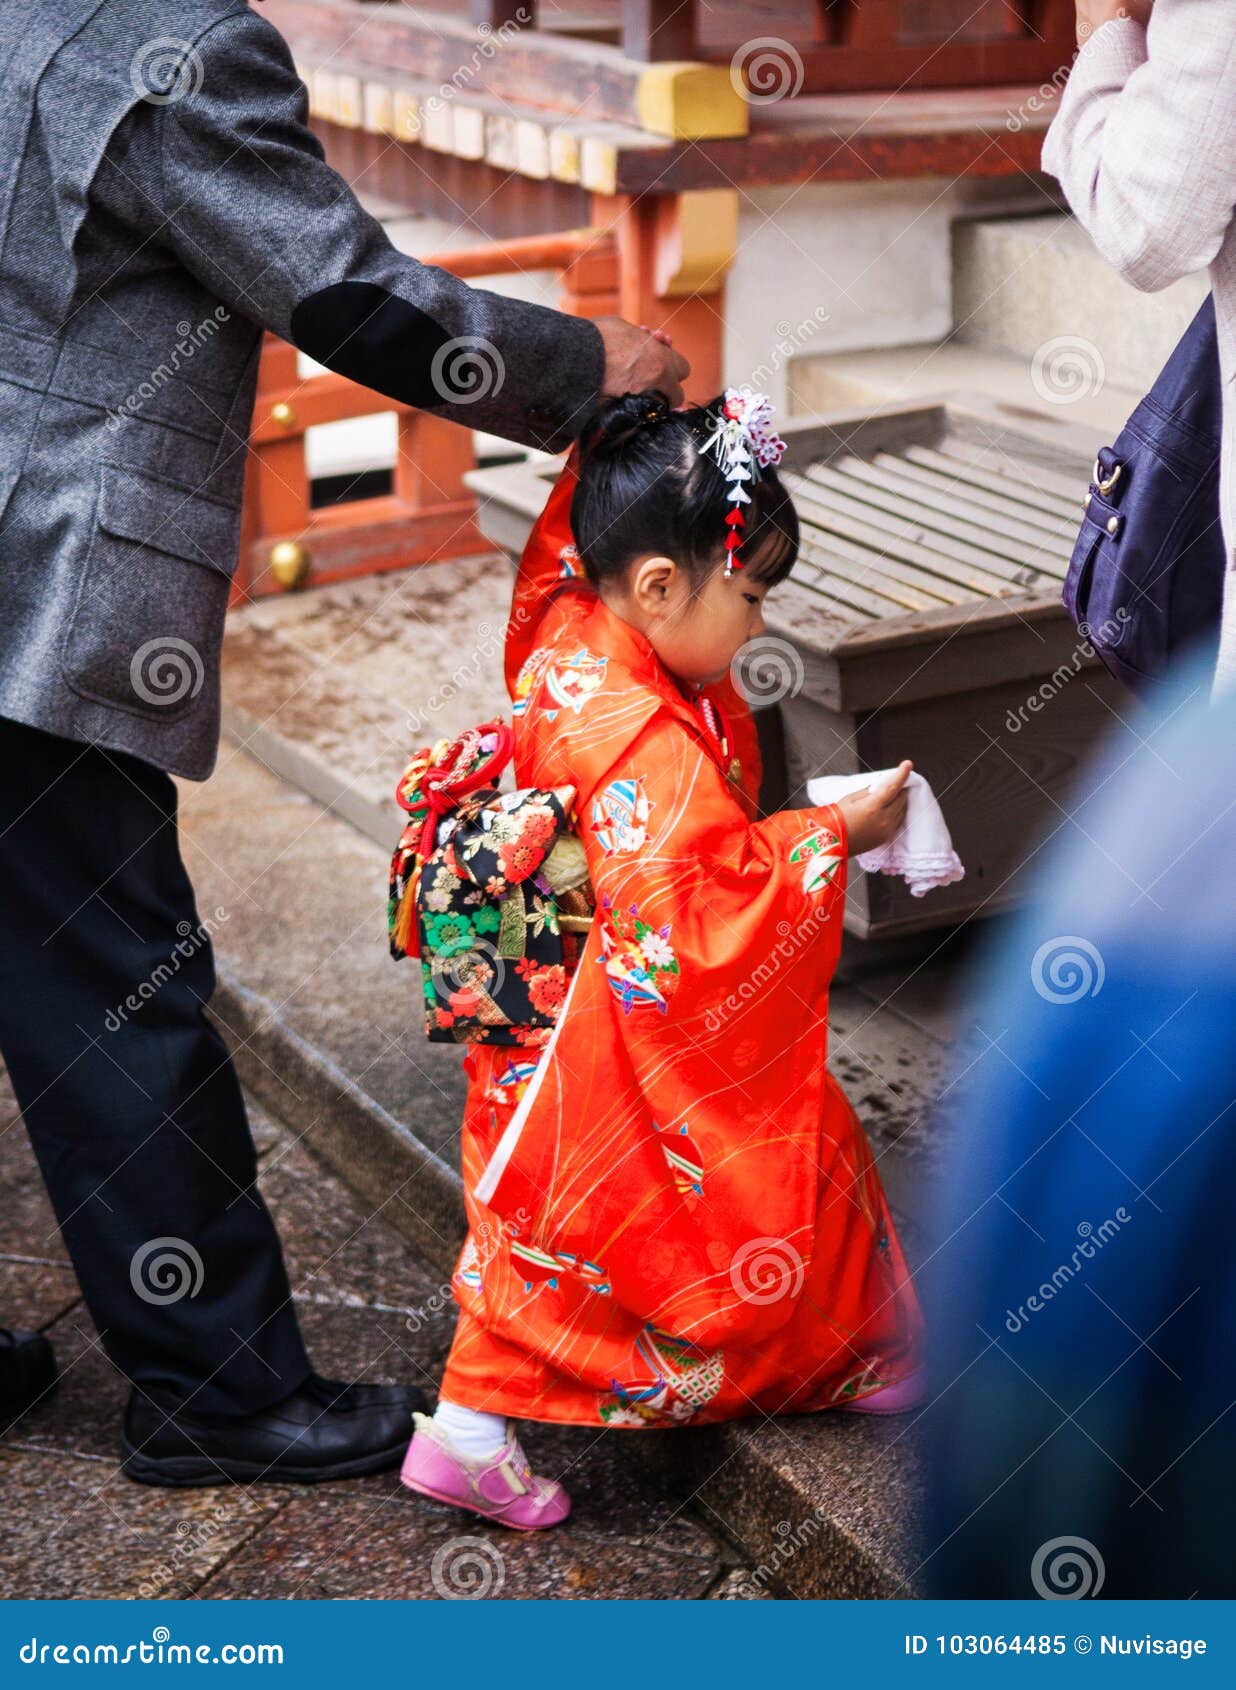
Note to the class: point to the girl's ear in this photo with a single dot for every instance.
(654, 583)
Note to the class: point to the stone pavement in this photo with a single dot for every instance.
(74, 1526)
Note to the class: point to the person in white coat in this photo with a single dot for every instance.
(1144, 146)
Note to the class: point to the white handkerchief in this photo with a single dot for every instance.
(923, 850)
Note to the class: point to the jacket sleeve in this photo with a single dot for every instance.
(1144, 143)
(251, 208)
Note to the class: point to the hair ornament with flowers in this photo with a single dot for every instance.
(744, 442)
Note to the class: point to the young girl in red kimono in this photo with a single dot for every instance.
(674, 1214)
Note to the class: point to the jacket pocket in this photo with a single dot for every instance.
(146, 629)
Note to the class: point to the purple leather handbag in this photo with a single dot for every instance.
(1145, 583)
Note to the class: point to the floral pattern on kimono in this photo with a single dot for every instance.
(680, 1132)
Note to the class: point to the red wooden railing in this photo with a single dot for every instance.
(428, 513)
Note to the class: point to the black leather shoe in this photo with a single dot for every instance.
(324, 1430)
(27, 1372)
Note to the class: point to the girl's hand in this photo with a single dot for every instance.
(874, 816)
(1093, 14)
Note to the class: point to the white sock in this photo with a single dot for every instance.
(474, 1434)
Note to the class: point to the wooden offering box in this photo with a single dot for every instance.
(923, 620)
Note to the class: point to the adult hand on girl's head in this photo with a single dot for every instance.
(637, 360)
(1093, 14)
(875, 815)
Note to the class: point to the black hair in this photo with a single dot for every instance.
(645, 488)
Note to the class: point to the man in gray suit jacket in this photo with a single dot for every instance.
(161, 203)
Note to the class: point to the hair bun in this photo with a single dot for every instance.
(618, 421)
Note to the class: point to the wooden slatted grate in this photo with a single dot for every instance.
(920, 527)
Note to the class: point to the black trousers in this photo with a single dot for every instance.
(128, 1093)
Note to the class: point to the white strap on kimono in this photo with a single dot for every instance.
(922, 852)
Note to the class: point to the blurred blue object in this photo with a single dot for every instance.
(1082, 1283)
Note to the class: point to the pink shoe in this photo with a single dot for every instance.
(907, 1393)
(502, 1488)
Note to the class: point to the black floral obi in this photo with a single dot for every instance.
(491, 890)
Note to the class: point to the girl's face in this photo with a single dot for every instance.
(696, 628)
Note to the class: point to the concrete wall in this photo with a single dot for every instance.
(840, 267)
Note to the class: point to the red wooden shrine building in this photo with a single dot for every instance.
(609, 141)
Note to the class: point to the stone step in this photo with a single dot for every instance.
(908, 375)
(1036, 288)
(817, 1503)
(1041, 324)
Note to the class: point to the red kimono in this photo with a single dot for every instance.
(674, 1213)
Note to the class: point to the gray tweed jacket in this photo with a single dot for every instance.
(161, 203)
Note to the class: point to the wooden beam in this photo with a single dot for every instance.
(586, 79)
(852, 142)
(655, 30)
(868, 25)
(697, 238)
(497, 14)
(961, 64)
(655, 253)
(1048, 19)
